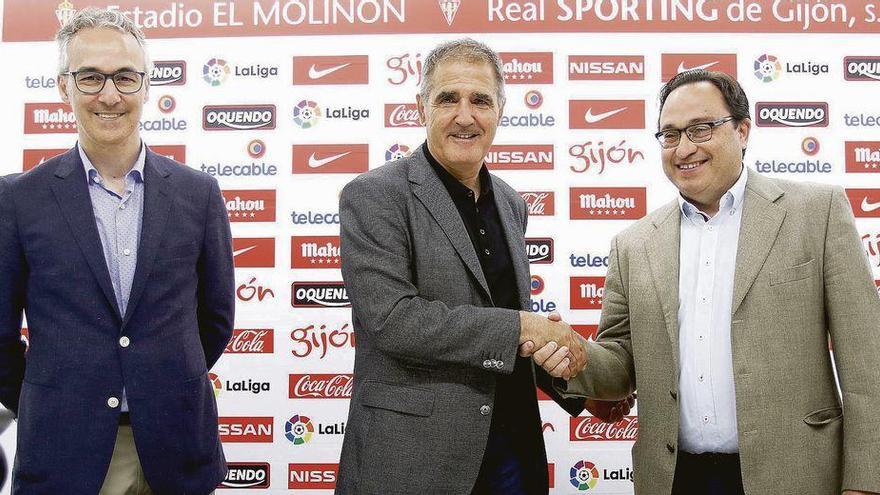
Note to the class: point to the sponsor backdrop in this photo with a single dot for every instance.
(285, 101)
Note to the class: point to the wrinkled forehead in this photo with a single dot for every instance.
(463, 76)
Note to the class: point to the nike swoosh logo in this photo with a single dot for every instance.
(592, 119)
(869, 207)
(243, 250)
(315, 162)
(314, 73)
(682, 68)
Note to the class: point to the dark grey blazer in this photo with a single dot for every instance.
(430, 343)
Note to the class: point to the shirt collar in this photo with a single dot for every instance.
(136, 172)
(453, 185)
(732, 199)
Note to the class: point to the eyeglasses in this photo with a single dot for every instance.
(697, 133)
(92, 82)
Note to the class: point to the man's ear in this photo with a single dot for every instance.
(61, 81)
(420, 104)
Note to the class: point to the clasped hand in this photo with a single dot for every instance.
(552, 344)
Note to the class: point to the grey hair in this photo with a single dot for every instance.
(469, 50)
(93, 17)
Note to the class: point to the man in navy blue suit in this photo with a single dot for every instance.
(121, 260)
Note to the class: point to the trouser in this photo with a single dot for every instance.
(707, 474)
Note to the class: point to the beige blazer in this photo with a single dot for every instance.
(801, 277)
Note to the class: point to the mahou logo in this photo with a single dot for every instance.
(319, 295)
(321, 386)
(586, 292)
(251, 341)
(865, 202)
(402, 115)
(862, 156)
(331, 69)
(315, 251)
(246, 475)
(310, 339)
(310, 476)
(539, 250)
(607, 203)
(520, 157)
(791, 114)
(32, 158)
(592, 429)
(330, 158)
(676, 63)
(176, 152)
(861, 68)
(606, 114)
(245, 429)
(49, 118)
(256, 205)
(540, 203)
(168, 73)
(606, 67)
(527, 67)
(238, 117)
(253, 252)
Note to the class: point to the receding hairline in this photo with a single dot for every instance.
(76, 38)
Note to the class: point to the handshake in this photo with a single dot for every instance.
(552, 344)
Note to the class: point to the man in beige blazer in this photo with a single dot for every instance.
(719, 306)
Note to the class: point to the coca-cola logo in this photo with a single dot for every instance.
(321, 386)
(540, 203)
(251, 341)
(591, 429)
(309, 338)
(402, 115)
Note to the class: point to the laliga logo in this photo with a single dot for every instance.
(215, 71)
(396, 152)
(584, 475)
(216, 383)
(449, 8)
(64, 12)
(306, 114)
(256, 149)
(767, 68)
(534, 99)
(166, 104)
(299, 429)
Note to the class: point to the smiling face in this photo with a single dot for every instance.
(703, 172)
(108, 119)
(461, 115)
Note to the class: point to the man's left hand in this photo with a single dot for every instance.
(610, 411)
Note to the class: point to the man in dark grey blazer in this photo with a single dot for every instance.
(433, 257)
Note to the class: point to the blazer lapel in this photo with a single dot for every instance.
(71, 190)
(155, 215)
(428, 188)
(515, 244)
(761, 220)
(663, 258)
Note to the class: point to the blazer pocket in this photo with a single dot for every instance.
(398, 398)
(821, 417)
(792, 274)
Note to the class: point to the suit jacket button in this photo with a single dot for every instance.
(487, 363)
(670, 447)
(124, 341)
(485, 410)
(113, 402)
(499, 364)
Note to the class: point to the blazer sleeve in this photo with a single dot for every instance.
(853, 314)
(610, 372)
(386, 303)
(216, 296)
(13, 277)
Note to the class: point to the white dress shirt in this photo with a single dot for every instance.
(707, 260)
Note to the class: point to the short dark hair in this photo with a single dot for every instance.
(734, 97)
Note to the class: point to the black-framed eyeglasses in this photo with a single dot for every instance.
(92, 82)
(697, 133)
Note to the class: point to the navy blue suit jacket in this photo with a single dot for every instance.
(179, 319)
